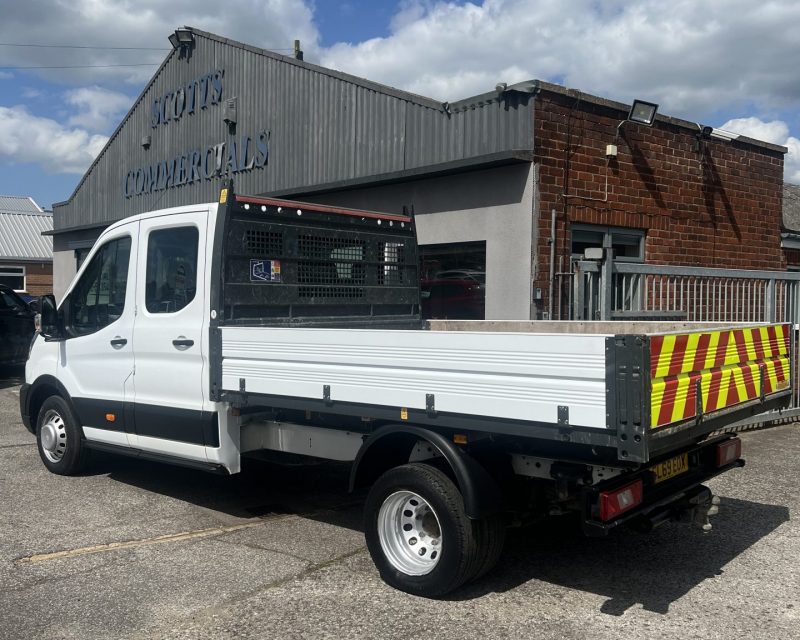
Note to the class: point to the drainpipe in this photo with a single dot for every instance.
(552, 242)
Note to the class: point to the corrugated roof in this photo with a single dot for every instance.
(791, 207)
(19, 204)
(21, 236)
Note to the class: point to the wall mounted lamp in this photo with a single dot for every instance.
(182, 41)
(643, 112)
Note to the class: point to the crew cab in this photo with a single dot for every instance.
(200, 334)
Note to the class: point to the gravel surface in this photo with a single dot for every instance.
(143, 550)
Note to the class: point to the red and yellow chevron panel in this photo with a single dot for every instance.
(724, 367)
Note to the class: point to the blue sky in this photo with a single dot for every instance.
(728, 63)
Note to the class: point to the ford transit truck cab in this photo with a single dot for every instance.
(200, 334)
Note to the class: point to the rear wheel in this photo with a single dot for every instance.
(59, 438)
(419, 536)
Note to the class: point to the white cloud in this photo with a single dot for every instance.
(6, 75)
(30, 93)
(696, 59)
(689, 56)
(98, 109)
(57, 149)
(775, 131)
(145, 23)
(792, 172)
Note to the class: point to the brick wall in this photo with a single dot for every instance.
(39, 280)
(719, 206)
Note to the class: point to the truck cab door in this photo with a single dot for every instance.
(169, 403)
(95, 360)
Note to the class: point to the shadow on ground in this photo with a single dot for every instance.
(652, 570)
(11, 376)
(312, 490)
(628, 568)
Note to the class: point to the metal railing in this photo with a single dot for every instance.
(607, 290)
(624, 290)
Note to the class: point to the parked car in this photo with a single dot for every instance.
(461, 274)
(453, 299)
(16, 327)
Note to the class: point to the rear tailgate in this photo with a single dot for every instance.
(699, 374)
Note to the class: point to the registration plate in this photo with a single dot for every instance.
(671, 468)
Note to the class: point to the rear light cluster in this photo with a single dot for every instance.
(618, 501)
(615, 502)
(728, 452)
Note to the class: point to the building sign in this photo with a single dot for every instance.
(197, 94)
(224, 158)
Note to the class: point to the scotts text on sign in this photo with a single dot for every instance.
(196, 94)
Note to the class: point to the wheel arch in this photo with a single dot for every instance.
(41, 389)
(391, 445)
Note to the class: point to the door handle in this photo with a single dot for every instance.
(118, 342)
(182, 342)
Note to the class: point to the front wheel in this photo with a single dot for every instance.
(418, 534)
(59, 439)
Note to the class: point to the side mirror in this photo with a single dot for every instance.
(48, 320)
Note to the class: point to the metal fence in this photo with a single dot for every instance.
(608, 290)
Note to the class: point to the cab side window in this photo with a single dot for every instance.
(171, 269)
(98, 298)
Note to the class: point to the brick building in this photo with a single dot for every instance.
(790, 236)
(26, 256)
(481, 175)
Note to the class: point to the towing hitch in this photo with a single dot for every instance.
(703, 505)
(693, 508)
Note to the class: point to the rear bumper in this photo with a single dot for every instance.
(24, 406)
(661, 502)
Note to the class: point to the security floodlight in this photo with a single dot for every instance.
(643, 112)
(185, 36)
(182, 38)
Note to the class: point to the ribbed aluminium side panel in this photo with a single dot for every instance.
(514, 376)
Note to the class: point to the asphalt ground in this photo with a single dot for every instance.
(133, 549)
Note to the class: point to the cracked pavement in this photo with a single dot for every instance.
(134, 549)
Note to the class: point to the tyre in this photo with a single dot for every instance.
(418, 534)
(59, 438)
(491, 538)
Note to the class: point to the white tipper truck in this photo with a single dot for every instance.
(199, 334)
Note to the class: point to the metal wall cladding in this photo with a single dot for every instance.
(21, 236)
(324, 127)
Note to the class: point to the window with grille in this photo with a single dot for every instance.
(264, 244)
(330, 261)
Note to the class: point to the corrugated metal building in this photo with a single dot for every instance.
(471, 171)
(26, 255)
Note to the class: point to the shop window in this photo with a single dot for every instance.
(627, 244)
(13, 277)
(454, 280)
